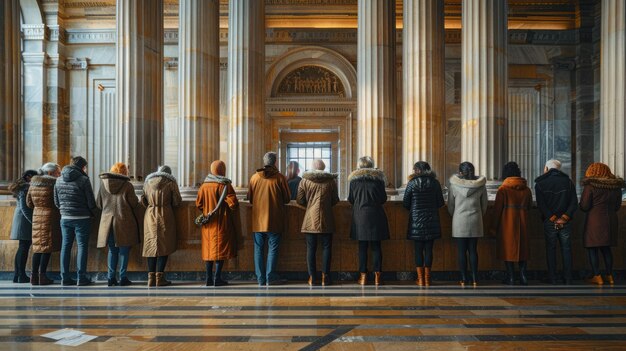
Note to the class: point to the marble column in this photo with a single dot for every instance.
(199, 91)
(376, 88)
(139, 85)
(613, 85)
(423, 88)
(245, 95)
(10, 112)
(484, 86)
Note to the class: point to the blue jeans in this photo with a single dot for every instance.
(563, 236)
(263, 274)
(115, 254)
(79, 229)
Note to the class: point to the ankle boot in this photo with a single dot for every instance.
(34, 279)
(44, 280)
(463, 280)
(474, 278)
(151, 279)
(427, 278)
(160, 279)
(378, 278)
(420, 276)
(362, 279)
(209, 278)
(311, 281)
(596, 279)
(326, 279)
(510, 271)
(522, 273)
(609, 279)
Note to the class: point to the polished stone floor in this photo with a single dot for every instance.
(295, 317)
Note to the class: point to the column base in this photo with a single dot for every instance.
(189, 193)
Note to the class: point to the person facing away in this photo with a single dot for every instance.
(600, 200)
(423, 198)
(46, 221)
(467, 204)
(160, 197)
(74, 196)
(22, 227)
(369, 220)
(513, 201)
(268, 193)
(293, 180)
(119, 222)
(219, 241)
(318, 193)
(556, 198)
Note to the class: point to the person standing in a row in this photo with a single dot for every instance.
(21, 227)
(293, 178)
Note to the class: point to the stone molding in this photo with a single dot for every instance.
(90, 36)
(170, 63)
(35, 32)
(58, 33)
(77, 64)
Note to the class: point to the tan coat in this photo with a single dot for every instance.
(511, 209)
(120, 211)
(268, 193)
(46, 216)
(219, 240)
(160, 197)
(318, 193)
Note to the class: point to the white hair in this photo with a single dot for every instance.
(553, 164)
(366, 162)
(48, 168)
(319, 165)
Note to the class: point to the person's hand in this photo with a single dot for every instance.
(560, 221)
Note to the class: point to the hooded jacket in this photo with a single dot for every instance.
(120, 211)
(423, 198)
(46, 216)
(160, 196)
(21, 228)
(73, 194)
(318, 193)
(268, 193)
(556, 195)
(601, 199)
(367, 196)
(219, 239)
(467, 204)
(513, 201)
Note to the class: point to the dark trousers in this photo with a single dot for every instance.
(21, 256)
(423, 253)
(157, 264)
(467, 247)
(311, 250)
(377, 255)
(594, 259)
(563, 236)
(40, 262)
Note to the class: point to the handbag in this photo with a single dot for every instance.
(202, 219)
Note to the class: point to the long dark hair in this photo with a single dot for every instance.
(511, 169)
(25, 178)
(467, 171)
(292, 170)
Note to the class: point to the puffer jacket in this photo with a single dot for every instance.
(467, 204)
(318, 193)
(22, 227)
(73, 194)
(423, 198)
(46, 216)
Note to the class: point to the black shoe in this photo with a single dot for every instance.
(125, 282)
(567, 281)
(15, 279)
(111, 282)
(85, 282)
(522, 273)
(551, 281)
(277, 282)
(22, 279)
(220, 282)
(68, 282)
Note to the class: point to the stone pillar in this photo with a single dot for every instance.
(613, 85)
(139, 85)
(484, 87)
(10, 111)
(423, 102)
(376, 91)
(245, 96)
(199, 91)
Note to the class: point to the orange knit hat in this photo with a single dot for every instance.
(119, 168)
(598, 170)
(218, 168)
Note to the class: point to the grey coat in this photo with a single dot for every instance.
(467, 204)
(22, 227)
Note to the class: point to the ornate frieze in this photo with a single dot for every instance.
(170, 63)
(77, 64)
(58, 33)
(170, 36)
(91, 36)
(311, 80)
(35, 31)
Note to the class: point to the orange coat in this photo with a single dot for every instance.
(268, 193)
(511, 209)
(219, 241)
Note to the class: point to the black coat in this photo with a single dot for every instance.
(367, 196)
(556, 195)
(73, 194)
(423, 198)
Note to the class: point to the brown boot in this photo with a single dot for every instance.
(311, 281)
(161, 281)
(427, 279)
(609, 279)
(43, 279)
(420, 276)
(362, 279)
(326, 280)
(596, 279)
(34, 279)
(378, 278)
(151, 279)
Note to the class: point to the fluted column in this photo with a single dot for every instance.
(139, 90)
(376, 101)
(613, 85)
(245, 96)
(199, 93)
(484, 87)
(423, 102)
(10, 112)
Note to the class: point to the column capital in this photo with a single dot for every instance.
(77, 64)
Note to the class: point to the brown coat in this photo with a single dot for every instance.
(46, 216)
(268, 193)
(219, 240)
(119, 205)
(318, 193)
(512, 205)
(601, 199)
(160, 197)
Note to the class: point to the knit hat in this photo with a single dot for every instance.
(599, 170)
(218, 168)
(119, 168)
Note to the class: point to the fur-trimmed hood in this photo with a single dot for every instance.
(17, 186)
(319, 176)
(164, 177)
(212, 178)
(43, 181)
(267, 171)
(430, 173)
(468, 186)
(604, 183)
(113, 182)
(517, 183)
(368, 174)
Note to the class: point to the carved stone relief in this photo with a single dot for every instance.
(311, 80)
